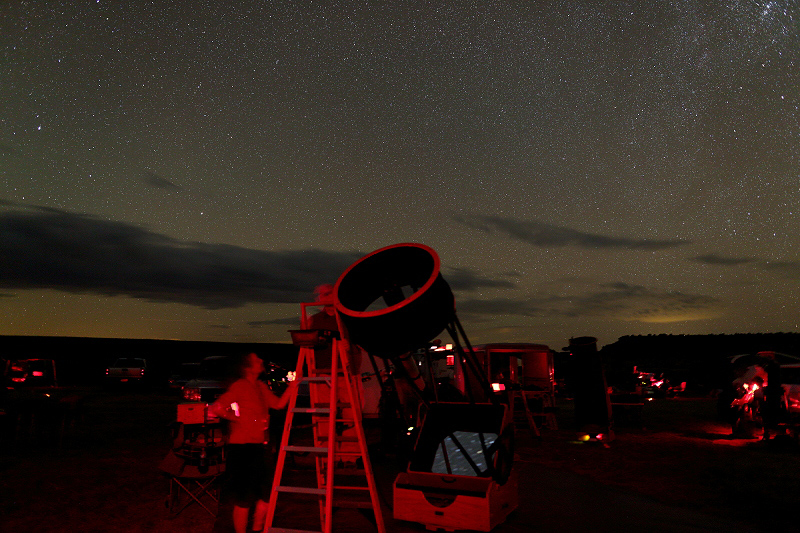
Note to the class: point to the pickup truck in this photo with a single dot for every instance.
(127, 369)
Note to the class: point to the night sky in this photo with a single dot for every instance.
(192, 170)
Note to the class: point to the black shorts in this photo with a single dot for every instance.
(249, 470)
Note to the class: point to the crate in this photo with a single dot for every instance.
(192, 413)
(312, 337)
(458, 494)
(450, 504)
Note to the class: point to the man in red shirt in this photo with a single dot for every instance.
(246, 406)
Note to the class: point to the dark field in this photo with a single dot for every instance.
(102, 474)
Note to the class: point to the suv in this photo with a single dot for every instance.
(30, 373)
(183, 374)
(213, 378)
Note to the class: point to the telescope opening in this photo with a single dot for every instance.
(394, 300)
(392, 297)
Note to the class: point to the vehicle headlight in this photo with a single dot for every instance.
(191, 393)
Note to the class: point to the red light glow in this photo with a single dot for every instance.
(38, 373)
(750, 389)
(498, 387)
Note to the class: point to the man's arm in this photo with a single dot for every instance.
(225, 407)
(280, 402)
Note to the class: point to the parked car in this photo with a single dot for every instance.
(184, 373)
(749, 401)
(217, 372)
(127, 369)
(790, 378)
(31, 399)
(213, 377)
(651, 385)
(30, 373)
(30, 383)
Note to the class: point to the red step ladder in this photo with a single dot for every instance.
(339, 447)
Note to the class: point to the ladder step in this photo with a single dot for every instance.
(353, 504)
(316, 379)
(312, 410)
(349, 487)
(326, 405)
(352, 472)
(345, 455)
(301, 490)
(306, 449)
(339, 439)
(284, 530)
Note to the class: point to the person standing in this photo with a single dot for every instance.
(325, 321)
(249, 467)
(773, 406)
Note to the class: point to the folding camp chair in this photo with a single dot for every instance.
(194, 465)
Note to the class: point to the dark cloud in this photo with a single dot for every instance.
(53, 249)
(788, 269)
(545, 235)
(634, 302)
(714, 259)
(785, 269)
(154, 180)
(619, 301)
(464, 279)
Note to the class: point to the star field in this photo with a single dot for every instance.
(192, 170)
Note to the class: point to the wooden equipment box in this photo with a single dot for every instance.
(478, 504)
(459, 475)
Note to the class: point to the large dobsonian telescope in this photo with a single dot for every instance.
(393, 302)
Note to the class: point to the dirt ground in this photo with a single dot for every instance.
(102, 473)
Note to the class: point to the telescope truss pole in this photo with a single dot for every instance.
(469, 361)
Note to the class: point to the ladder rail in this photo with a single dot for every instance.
(287, 425)
(355, 406)
(333, 403)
